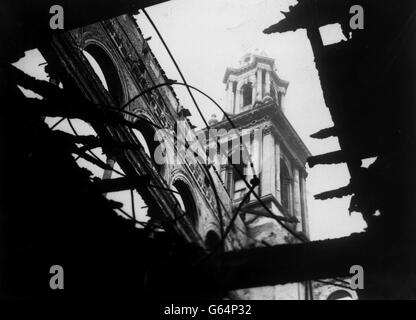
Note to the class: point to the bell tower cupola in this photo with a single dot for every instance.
(255, 79)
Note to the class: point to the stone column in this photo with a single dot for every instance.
(254, 90)
(282, 102)
(291, 211)
(238, 100)
(268, 181)
(297, 208)
(277, 172)
(230, 96)
(223, 174)
(305, 220)
(267, 84)
(259, 84)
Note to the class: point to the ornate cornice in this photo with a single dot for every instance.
(268, 111)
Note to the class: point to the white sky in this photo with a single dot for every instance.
(206, 36)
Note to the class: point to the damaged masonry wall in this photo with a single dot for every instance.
(119, 42)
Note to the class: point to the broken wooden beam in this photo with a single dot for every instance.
(325, 133)
(121, 184)
(327, 158)
(336, 193)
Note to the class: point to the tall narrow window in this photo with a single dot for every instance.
(247, 91)
(235, 184)
(239, 184)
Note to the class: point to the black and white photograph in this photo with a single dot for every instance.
(203, 155)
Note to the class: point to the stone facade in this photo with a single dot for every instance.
(130, 68)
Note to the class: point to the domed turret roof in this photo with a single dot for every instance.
(248, 56)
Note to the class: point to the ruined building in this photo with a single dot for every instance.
(190, 203)
(198, 244)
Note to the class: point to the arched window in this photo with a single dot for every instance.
(340, 295)
(185, 199)
(212, 240)
(105, 70)
(247, 92)
(285, 185)
(151, 146)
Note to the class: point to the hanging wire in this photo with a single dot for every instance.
(220, 215)
(219, 202)
(57, 123)
(177, 83)
(241, 175)
(251, 188)
(156, 126)
(143, 224)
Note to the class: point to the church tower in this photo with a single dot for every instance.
(255, 96)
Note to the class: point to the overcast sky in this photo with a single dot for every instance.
(206, 36)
